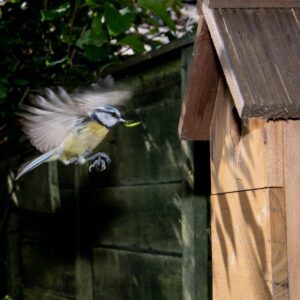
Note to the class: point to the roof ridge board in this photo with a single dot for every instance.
(252, 3)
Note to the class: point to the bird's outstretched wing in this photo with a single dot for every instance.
(48, 119)
(88, 100)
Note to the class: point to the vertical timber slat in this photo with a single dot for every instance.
(54, 195)
(201, 88)
(194, 248)
(292, 192)
(83, 264)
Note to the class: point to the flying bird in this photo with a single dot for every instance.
(68, 127)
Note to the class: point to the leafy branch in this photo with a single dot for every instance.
(53, 43)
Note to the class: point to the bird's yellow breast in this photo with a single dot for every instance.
(85, 138)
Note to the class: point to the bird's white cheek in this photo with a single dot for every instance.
(109, 122)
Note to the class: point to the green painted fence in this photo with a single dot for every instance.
(137, 231)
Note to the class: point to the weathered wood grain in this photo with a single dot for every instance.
(39, 294)
(252, 3)
(165, 50)
(249, 245)
(48, 264)
(65, 175)
(244, 154)
(35, 226)
(145, 218)
(42, 197)
(195, 279)
(123, 275)
(201, 88)
(12, 260)
(196, 268)
(48, 248)
(83, 245)
(292, 192)
(259, 51)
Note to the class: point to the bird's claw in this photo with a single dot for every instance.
(100, 163)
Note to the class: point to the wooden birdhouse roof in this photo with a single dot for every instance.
(258, 46)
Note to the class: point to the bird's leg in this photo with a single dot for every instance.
(70, 161)
(101, 161)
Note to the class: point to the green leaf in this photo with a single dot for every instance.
(85, 39)
(135, 42)
(174, 3)
(118, 21)
(94, 53)
(96, 36)
(20, 81)
(98, 31)
(158, 8)
(52, 14)
(92, 3)
(89, 39)
(3, 92)
(129, 13)
(3, 80)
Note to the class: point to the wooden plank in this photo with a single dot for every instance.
(66, 176)
(83, 260)
(35, 226)
(144, 218)
(44, 182)
(48, 264)
(249, 245)
(48, 250)
(195, 279)
(252, 3)
(40, 294)
(13, 254)
(149, 56)
(120, 275)
(244, 155)
(259, 50)
(292, 191)
(201, 89)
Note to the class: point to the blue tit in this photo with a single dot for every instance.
(68, 127)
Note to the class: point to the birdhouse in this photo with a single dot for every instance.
(243, 96)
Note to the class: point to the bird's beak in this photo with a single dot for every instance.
(122, 120)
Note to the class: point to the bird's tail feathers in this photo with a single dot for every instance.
(28, 166)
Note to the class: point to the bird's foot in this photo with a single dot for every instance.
(101, 161)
